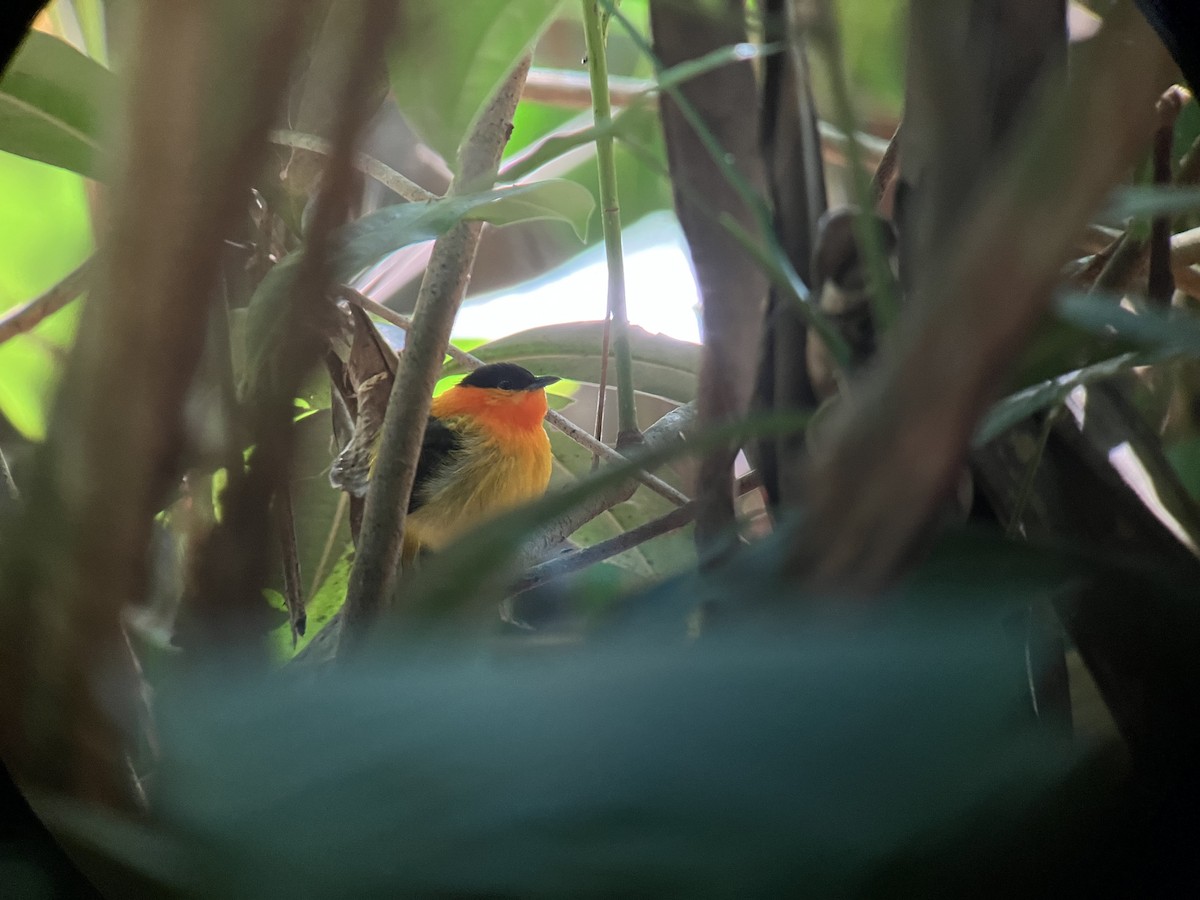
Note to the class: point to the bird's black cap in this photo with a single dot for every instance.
(507, 377)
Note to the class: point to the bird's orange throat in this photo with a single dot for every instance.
(497, 410)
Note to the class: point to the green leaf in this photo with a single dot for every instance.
(452, 57)
(868, 761)
(27, 377)
(371, 238)
(45, 231)
(319, 609)
(54, 104)
(1024, 403)
(662, 365)
(1147, 201)
(1175, 332)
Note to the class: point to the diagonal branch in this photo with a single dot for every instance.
(377, 564)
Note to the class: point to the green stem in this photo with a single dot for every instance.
(610, 216)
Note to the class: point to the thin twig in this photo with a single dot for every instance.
(567, 89)
(553, 417)
(602, 387)
(9, 493)
(610, 218)
(375, 570)
(368, 165)
(293, 589)
(327, 551)
(588, 556)
(1025, 491)
(24, 318)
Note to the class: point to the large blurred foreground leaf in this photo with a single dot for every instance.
(753, 763)
(53, 105)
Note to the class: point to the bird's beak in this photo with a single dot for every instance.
(543, 381)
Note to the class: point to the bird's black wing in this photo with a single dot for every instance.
(439, 447)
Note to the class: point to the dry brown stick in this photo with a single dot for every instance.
(553, 417)
(377, 564)
(901, 439)
(1160, 282)
(572, 90)
(1185, 253)
(23, 318)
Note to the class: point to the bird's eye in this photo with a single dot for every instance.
(505, 385)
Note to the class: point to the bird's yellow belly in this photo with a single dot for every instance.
(492, 478)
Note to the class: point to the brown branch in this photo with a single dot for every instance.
(1160, 282)
(25, 317)
(376, 566)
(572, 90)
(733, 286)
(553, 417)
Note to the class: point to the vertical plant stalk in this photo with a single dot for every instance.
(710, 112)
(610, 218)
(881, 286)
(1161, 281)
(376, 567)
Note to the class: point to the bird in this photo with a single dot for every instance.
(485, 450)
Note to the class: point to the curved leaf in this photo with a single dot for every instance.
(662, 365)
(373, 237)
(453, 56)
(54, 102)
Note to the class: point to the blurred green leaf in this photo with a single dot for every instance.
(27, 377)
(1146, 201)
(54, 103)
(877, 760)
(1173, 332)
(452, 57)
(662, 365)
(1024, 403)
(1185, 460)
(46, 232)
